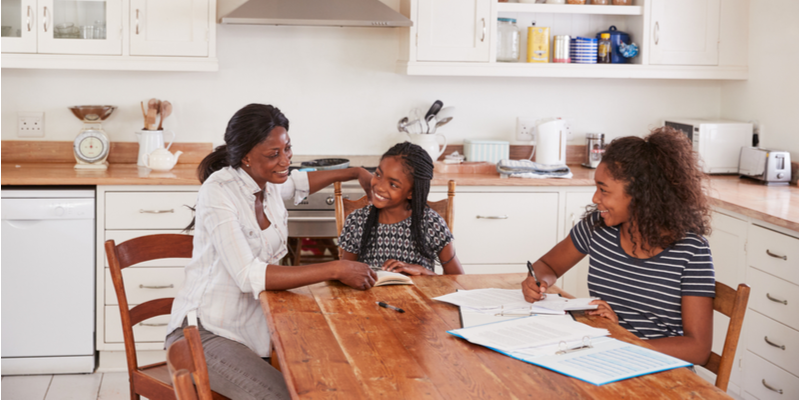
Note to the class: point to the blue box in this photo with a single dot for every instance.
(485, 150)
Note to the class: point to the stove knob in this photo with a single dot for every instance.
(780, 175)
(329, 201)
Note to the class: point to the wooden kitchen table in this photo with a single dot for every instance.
(335, 342)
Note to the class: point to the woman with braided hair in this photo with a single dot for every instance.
(649, 264)
(398, 232)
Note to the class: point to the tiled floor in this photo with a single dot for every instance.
(100, 386)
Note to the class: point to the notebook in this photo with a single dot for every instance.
(392, 278)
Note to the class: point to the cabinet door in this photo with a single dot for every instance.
(505, 228)
(80, 27)
(575, 281)
(18, 26)
(453, 30)
(684, 32)
(169, 28)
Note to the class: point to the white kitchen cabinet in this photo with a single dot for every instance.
(575, 281)
(453, 30)
(684, 32)
(169, 28)
(175, 35)
(124, 213)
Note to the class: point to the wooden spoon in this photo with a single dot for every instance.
(144, 115)
(166, 110)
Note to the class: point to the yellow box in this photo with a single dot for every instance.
(538, 44)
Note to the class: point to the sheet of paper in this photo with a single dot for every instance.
(528, 332)
(474, 317)
(486, 298)
(562, 304)
(608, 360)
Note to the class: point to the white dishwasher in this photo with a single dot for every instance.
(48, 281)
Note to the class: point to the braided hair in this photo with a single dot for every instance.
(419, 167)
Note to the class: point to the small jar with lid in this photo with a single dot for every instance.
(507, 40)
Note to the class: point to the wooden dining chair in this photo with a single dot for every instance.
(151, 381)
(344, 207)
(733, 304)
(185, 360)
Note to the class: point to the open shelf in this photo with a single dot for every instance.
(569, 9)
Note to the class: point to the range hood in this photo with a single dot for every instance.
(316, 13)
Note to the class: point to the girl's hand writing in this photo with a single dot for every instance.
(355, 274)
(408, 269)
(531, 291)
(604, 310)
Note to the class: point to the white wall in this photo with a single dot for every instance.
(770, 95)
(339, 89)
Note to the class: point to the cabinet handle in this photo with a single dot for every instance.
(776, 300)
(143, 324)
(764, 382)
(655, 32)
(491, 216)
(28, 20)
(771, 254)
(780, 346)
(137, 21)
(483, 34)
(45, 19)
(171, 210)
(170, 286)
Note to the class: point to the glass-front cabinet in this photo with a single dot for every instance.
(62, 26)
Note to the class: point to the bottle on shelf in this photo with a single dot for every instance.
(604, 49)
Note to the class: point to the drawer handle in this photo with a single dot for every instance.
(143, 324)
(171, 210)
(771, 254)
(784, 302)
(764, 382)
(170, 286)
(491, 216)
(780, 346)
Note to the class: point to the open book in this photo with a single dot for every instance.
(392, 278)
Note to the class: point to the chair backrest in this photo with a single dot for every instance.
(186, 354)
(132, 252)
(344, 207)
(733, 304)
(184, 388)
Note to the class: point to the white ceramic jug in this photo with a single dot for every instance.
(551, 142)
(430, 143)
(161, 159)
(149, 141)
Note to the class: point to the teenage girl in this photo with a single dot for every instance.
(649, 263)
(399, 232)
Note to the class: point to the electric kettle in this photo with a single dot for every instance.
(551, 142)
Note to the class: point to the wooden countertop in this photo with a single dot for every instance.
(777, 205)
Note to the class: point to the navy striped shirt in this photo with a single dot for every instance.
(645, 293)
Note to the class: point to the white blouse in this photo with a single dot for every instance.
(231, 254)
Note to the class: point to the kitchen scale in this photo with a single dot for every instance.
(92, 145)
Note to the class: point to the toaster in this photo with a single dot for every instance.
(768, 166)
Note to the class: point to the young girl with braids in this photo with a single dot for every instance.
(399, 232)
(649, 263)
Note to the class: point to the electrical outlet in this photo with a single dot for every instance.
(30, 124)
(526, 128)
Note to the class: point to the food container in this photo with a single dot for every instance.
(561, 49)
(616, 38)
(576, 1)
(538, 44)
(601, 2)
(485, 150)
(583, 50)
(594, 150)
(621, 2)
(507, 40)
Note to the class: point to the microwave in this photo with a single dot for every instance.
(717, 143)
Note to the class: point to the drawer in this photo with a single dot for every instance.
(760, 329)
(155, 330)
(768, 294)
(149, 210)
(505, 228)
(121, 236)
(759, 374)
(144, 284)
(767, 249)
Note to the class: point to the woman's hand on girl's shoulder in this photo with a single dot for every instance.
(604, 310)
(408, 269)
(355, 274)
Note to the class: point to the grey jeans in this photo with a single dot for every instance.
(234, 370)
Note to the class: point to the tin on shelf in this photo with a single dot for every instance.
(561, 49)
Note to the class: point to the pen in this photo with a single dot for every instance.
(384, 305)
(533, 274)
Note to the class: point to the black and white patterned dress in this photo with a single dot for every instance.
(393, 241)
